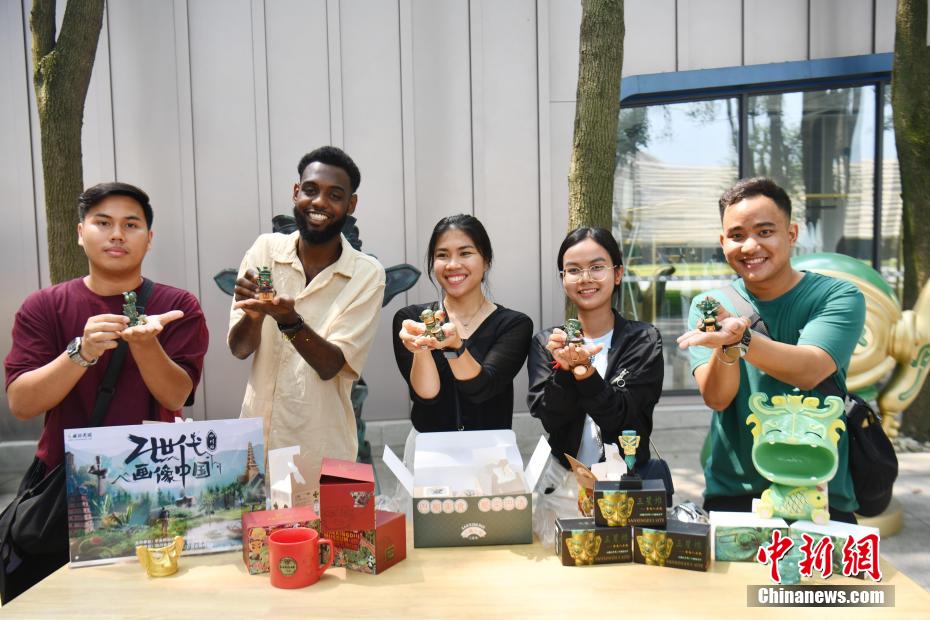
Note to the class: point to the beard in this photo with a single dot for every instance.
(317, 236)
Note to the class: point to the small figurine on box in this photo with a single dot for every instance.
(265, 287)
(709, 307)
(629, 442)
(433, 322)
(130, 310)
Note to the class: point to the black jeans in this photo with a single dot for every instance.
(743, 503)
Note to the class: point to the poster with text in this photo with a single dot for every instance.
(145, 484)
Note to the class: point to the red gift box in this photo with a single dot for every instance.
(257, 527)
(347, 495)
(375, 550)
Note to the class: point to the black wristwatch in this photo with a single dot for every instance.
(291, 328)
(454, 354)
(742, 346)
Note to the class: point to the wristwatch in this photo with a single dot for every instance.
(742, 346)
(291, 328)
(454, 354)
(74, 352)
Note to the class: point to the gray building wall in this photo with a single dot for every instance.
(447, 106)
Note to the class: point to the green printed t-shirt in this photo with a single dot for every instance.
(821, 311)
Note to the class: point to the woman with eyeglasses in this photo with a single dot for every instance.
(586, 392)
(460, 369)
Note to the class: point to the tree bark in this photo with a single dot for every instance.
(910, 99)
(61, 76)
(597, 111)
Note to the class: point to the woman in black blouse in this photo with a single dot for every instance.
(586, 394)
(464, 382)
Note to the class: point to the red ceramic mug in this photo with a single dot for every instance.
(295, 557)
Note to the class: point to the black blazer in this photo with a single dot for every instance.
(624, 401)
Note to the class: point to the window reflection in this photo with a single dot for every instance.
(819, 146)
(673, 162)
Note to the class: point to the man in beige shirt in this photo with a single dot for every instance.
(311, 341)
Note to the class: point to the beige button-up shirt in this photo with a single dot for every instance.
(341, 304)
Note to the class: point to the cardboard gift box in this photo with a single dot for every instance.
(682, 545)
(470, 488)
(257, 527)
(737, 536)
(347, 495)
(374, 550)
(838, 533)
(580, 542)
(616, 506)
(294, 479)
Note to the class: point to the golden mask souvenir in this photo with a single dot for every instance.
(161, 561)
(655, 546)
(583, 546)
(616, 507)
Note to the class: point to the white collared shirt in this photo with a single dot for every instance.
(341, 304)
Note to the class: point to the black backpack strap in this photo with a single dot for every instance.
(108, 386)
(746, 309)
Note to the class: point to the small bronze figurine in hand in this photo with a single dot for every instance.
(433, 324)
(130, 310)
(708, 307)
(265, 287)
(573, 331)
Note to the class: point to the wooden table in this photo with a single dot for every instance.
(520, 581)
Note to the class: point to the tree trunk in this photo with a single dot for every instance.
(910, 98)
(61, 76)
(594, 149)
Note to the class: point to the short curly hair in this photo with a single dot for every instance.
(332, 156)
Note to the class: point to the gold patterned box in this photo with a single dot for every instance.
(614, 506)
(257, 527)
(682, 545)
(579, 542)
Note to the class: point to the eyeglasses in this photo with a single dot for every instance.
(598, 273)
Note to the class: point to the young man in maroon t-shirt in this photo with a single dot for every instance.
(63, 337)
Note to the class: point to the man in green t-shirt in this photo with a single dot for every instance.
(814, 323)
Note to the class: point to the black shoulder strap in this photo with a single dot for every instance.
(828, 386)
(108, 386)
(746, 309)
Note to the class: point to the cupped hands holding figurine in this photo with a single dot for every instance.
(154, 324)
(570, 355)
(416, 337)
(281, 308)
